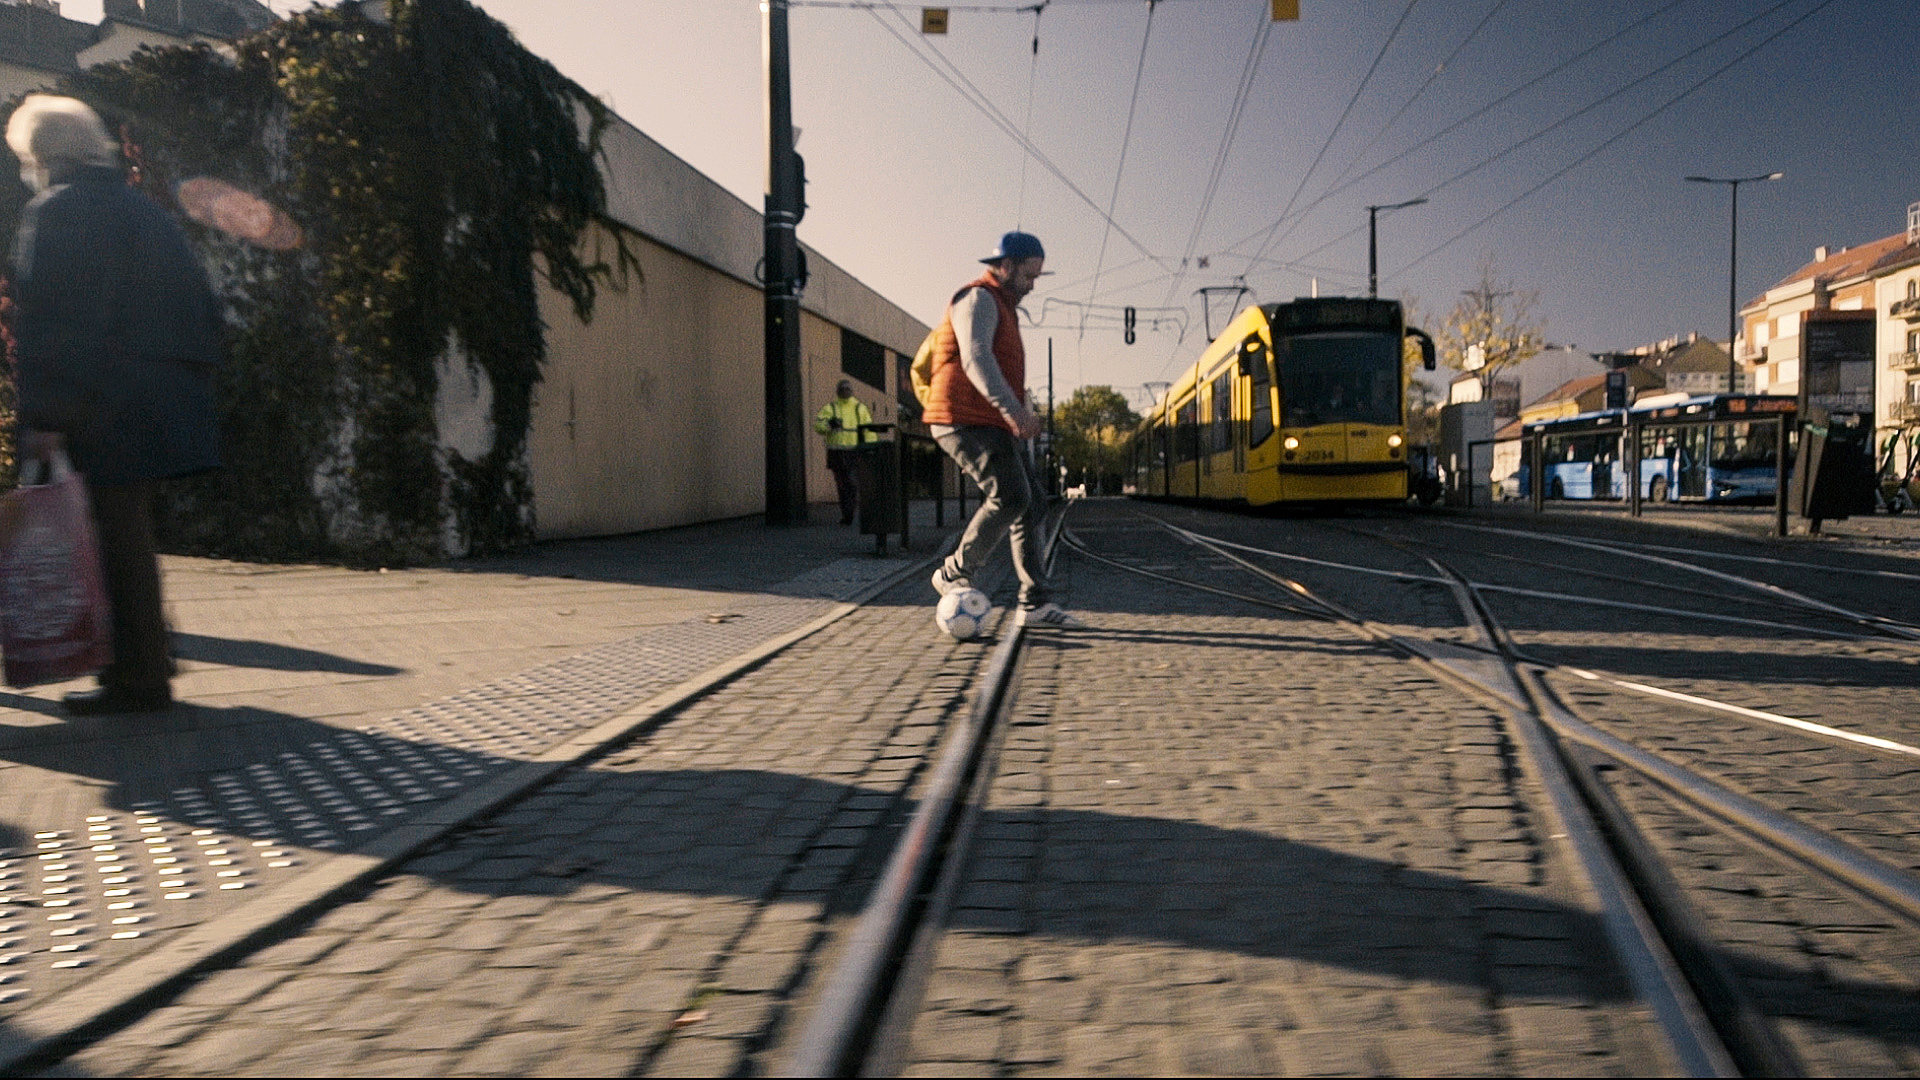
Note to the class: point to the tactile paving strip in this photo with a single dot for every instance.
(89, 894)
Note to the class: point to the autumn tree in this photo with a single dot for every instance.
(1494, 323)
(1090, 431)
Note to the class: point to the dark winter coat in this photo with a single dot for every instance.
(118, 332)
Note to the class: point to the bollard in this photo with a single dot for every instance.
(1536, 452)
(900, 461)
(1780, 476)
(1633, 468)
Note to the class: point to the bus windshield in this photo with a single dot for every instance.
(1341, 377)
(1743, 446)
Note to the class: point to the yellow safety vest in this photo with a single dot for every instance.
(851, 412)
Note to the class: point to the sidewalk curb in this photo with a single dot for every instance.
(46, 1031)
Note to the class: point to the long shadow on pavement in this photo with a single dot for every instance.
(233, 652)
(1101, 877)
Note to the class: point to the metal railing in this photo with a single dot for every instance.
(1535, 454)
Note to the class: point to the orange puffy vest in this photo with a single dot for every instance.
(954, 400)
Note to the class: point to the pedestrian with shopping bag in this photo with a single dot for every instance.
(55, 619)
(118, 336)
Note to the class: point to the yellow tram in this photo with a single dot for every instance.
(1293, 403)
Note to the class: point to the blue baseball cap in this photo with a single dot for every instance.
(1017, 245)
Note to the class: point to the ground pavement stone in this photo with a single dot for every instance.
(1225, 872)
(670, 958)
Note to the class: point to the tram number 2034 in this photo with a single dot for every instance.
(1316, 455)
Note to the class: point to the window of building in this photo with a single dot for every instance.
(903, 386)
(863, 359)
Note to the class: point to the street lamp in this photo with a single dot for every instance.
(1373, 250)
(1733, 258)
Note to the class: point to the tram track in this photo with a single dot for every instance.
(1620, 806)
(1591, 750)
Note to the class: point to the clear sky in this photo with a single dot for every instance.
(909, 184)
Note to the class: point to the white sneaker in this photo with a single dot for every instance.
(1048, 615)
(943, 584)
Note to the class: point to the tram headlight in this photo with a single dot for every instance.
(1291, 443)
(1395, 441)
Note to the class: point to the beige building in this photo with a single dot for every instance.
(1882, 277)
(38, 44)
(652, 415)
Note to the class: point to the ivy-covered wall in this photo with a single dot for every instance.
(433, 167)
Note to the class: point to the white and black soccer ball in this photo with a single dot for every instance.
(963, 613)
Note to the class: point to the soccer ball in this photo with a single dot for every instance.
(963, 612)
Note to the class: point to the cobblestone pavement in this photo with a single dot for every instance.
(650, 912)
(1227, 840)
(1835, 974)
(1839, 978)
(325, 706)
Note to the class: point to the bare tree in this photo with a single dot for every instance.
(1493, 322)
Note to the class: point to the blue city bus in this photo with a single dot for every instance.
(1729, 458)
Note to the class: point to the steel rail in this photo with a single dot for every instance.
(1574, 598)
(1643, 955)
(1892, 627)
(1891, 886)
(1836, 858)
(1807, 726)
(1897, 575)
(853, 1004)
(1548, 729)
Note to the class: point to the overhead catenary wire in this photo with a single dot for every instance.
(1555, 125)
(1126, 140)
(1629, 129)
(1242, 91)
(1344, 113)
(1460, 123)
(949, 73)
(1026, 129)
(1432, 76)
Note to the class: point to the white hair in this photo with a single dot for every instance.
(48, 131)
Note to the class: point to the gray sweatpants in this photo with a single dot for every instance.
(992, 459)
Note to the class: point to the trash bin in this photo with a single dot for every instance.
(881, 510)
(1833, 475)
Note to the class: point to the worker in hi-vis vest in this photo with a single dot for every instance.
(840, 421)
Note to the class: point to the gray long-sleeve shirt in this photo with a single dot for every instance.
(975, 319)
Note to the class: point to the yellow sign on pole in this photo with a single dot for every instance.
(933, 20)
(1286, 10)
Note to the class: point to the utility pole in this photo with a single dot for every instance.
(785, 419)
(1733, 264)
(1053, 446)
(1373, 251)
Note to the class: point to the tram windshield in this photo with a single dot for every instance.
(1342, 377)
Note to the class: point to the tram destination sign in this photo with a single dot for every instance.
(1836, 362)
(1308, 314)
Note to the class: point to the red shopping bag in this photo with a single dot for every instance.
(55, 622)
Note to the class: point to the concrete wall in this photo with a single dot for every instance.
(651, 415)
